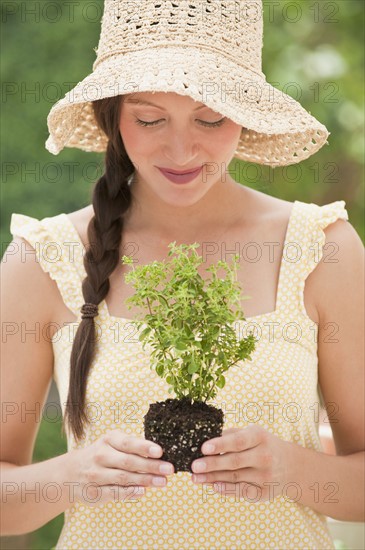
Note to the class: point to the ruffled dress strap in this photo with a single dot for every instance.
(322, 217)
(303, 250)
(58, 252)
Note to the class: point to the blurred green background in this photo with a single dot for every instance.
(312, 50)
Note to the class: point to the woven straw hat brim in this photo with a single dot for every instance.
(277, 130)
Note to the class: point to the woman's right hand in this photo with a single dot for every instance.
(117, 467)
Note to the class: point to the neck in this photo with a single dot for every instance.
(151, 216)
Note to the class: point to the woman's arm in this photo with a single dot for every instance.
(33, 495)
(330, 485)
(333, 485)
(26, 374)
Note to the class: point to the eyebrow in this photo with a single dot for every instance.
(144, 102)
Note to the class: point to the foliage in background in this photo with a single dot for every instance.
(313, 53)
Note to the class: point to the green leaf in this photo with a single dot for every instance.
(180, 345)
(144, 333)
(163, 300)
(193, 367)
(221, 382)
(206, 345)
(160, 369)
(216, 332)
(220, 356)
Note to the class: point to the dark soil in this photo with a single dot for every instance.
(180, 428)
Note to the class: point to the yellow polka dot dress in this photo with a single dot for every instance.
(276, 389)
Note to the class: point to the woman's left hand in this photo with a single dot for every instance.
(254, 464)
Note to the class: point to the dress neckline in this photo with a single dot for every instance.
(103, 307)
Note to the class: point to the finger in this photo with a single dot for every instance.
(230, 430)
(132, 444)
(248, 475)
(229, 461)
(115, 476)
(235, 441)
(135, 463)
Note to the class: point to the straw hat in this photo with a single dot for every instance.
(209, 50)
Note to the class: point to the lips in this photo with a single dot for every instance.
(178, 172)
(184, 177)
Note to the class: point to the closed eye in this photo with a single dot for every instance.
(202, 122)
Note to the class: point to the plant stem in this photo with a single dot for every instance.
(158, 336)
(149, 305)
(213, 384)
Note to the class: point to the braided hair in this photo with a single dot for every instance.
(111, 199)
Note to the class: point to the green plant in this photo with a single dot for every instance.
(189, 324)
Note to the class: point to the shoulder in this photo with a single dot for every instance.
(80, 219)
(339, 275)
(259, 208)
(26, 287)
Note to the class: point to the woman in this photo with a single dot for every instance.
(276, 486)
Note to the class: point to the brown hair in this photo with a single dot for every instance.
(111, 199)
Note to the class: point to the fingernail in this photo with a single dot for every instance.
(166, 469)
(199, 466)
(159, 481)
(200, 478)
(154, 451)
(208, 448)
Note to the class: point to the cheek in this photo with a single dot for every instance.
(128, 132)
(233, 133)
(135, 142)
(225, 141)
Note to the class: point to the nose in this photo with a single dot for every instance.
(181, 147)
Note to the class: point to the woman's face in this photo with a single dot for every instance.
(181, 135)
